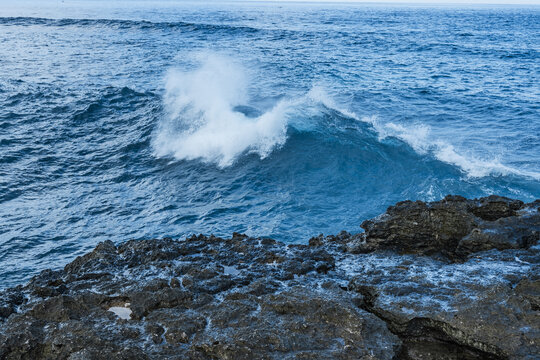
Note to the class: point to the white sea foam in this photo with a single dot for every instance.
(202, 122)
(319, 95)
(420, 139)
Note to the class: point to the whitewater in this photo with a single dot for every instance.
(207, 120)
(131, 121)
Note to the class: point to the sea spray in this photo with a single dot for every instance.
(202, 119)
(420, 138)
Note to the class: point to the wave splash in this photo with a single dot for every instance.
(207, 120)
(202, 120)
(420, 139)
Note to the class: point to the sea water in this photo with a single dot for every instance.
(134, 120)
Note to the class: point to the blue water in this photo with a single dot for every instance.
(128, 121)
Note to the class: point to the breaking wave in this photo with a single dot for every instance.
(420, 139)
(203, 121)
(207, 118)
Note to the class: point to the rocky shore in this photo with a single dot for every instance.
(453, 279)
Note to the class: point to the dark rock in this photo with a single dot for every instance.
(317, 240)
(454, 227)
(374, 295)
(143, 302)
(155, 331)
(529, 290)
(494, 207)
(174, 283)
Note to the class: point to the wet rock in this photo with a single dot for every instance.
(9, 301)
(529, 290)
(174, 283)
(479, 309)
(455, 227)
(494, 207)
(143, 302)
(374, 295)
(316, 240)
(322, 324)
(155, 331)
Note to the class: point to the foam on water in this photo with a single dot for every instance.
(420, 139)
(202, 122)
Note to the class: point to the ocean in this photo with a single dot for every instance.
(133, 120)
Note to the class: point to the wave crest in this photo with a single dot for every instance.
(202, 117)
(420, 139)
(207, 119)
(125, 24)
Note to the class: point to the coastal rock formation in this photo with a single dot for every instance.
(453, 279)
(454, 226)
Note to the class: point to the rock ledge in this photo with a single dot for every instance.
(452, 279)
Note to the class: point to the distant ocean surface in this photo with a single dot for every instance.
(120, 120)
